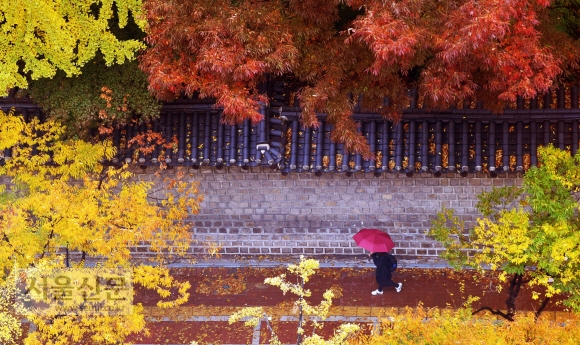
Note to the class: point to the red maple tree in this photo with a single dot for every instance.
(343, 52)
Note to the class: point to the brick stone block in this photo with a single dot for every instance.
(259, 211)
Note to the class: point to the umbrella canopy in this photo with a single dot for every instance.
(374, 240)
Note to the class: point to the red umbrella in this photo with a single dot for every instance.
(374, 240)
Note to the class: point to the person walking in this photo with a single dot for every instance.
(384, 273)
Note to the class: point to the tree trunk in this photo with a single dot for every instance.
(513, 292)
(67, 257)
(515, 286)
(300, 316)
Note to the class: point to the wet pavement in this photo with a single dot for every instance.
(218, 290)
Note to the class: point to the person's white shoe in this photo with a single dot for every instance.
(399, 287)
(376, 292)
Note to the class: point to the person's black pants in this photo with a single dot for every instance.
(387, 282)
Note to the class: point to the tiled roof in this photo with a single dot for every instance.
(470, 139)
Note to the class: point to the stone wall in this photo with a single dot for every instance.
(262, 212)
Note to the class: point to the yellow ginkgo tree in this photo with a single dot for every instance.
(305, 312)
(40, 37)
(62, 198)
(528, 234)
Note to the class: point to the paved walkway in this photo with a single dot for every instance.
(218, 291)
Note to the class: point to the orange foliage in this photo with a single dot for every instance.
(330, 50)
(147, 141)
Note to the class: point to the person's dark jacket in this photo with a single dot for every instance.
(383, 267)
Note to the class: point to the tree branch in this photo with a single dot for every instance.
(47, 243)
(275, 340)
(494, 312)
(49, 238)
(102, 176)
(157, 199)
(542, 307)
(7, 240)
